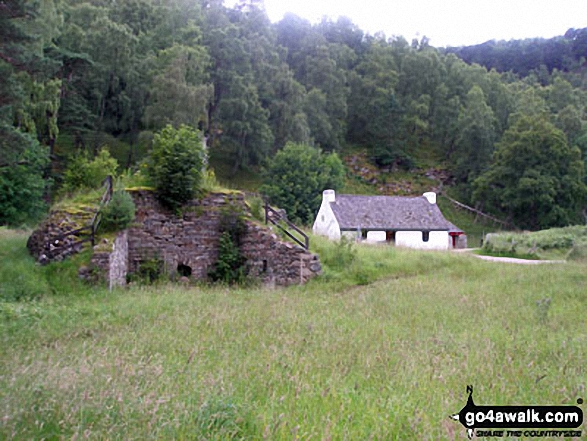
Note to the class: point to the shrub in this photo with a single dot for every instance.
(176, 165)
(230, 266)
(82, 172)
(552, 239)
(119, 212)
(256, 207)
(296, 177)
(341, 255)
(578, 252)
(149, 271)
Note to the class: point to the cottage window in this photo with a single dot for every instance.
(425, 236)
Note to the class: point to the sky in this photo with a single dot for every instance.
(445, 22)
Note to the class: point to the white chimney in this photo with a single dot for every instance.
(431, 196)
(328, 196)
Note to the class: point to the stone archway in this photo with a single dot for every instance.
(184, 270)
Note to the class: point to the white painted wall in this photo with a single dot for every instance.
(438, 240)
(376, 236)
(326, 223)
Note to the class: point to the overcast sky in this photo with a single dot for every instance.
(446, 22)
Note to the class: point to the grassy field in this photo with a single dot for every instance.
(382, 346)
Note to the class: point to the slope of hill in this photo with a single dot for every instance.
(376, 348)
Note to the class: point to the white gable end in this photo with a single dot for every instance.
(326, 223)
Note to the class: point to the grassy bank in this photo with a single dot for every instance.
(381, 347)
(555, 243)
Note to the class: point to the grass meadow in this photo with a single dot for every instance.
(381, 346)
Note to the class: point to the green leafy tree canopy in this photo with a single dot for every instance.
(536, 178)
(297, 175)
(176, 164)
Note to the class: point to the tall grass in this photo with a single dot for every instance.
(334, 359)
(555, 242)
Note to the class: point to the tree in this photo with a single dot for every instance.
(179, 94)
(21, 177)
(536, 178)
(474, 145)
(295, 178)
(176, 164)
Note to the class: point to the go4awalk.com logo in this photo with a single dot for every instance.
(520, 421)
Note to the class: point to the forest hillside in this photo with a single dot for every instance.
(502, 123)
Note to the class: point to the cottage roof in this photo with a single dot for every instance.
(389, 213)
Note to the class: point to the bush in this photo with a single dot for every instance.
(341, 255)
(578, 253)
(176, 165)
(85, 173)
(296, 177)
(256, 207)
(552, 239)
(230, 266)
(119, 212)
(148, 272)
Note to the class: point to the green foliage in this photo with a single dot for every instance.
(176, 165)
(20, 278)
(118, 213)
(220, 418)
(325, 349)
(296, 176)
(475, 141)
(100, 73)
(229, 268)
(341, 255)
(536, 244)
(178, 95)
(149, 271)
(536, 178)
(579, 252)
(23, 280)
(21, 177)
(85, 173)
(256, 207)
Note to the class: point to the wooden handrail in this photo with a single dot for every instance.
(92, 228)
(480, 213)
(273, 216)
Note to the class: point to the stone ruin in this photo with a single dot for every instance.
(188, 244)
(50, 241)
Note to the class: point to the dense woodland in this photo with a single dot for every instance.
(77, 75)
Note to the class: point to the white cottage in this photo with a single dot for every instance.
(414, 222)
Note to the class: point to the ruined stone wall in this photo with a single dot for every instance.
(275, 261)
(47, 244)
(191, 239)
(110, 261)
(118, 262)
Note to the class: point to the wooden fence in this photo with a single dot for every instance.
(59, 243)
(276, 218)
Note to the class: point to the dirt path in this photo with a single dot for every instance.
(507, 259)
(514, 260)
